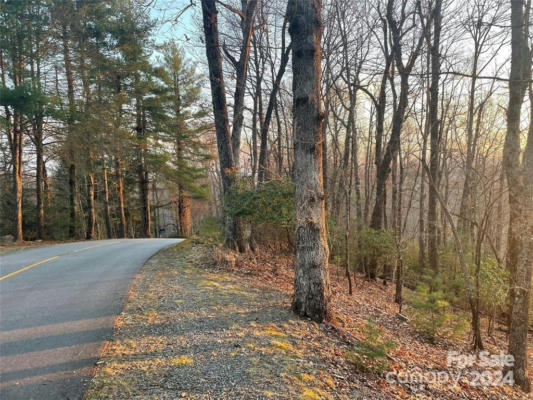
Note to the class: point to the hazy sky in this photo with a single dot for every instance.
(185, 31)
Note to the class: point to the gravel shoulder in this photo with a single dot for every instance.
(190, 331)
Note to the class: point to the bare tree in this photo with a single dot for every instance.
(434, 137)
(228, 144)
(396, 17)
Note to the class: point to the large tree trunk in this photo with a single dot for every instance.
(311, 280)
(520, 181)
(184, 213)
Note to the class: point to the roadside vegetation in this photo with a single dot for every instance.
(372, 160)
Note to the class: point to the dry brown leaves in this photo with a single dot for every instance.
(371, 301)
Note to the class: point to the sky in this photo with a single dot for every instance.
(184, 30)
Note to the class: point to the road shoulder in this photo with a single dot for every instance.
(191, 331)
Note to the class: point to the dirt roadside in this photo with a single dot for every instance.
(190, 331)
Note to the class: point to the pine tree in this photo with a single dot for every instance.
(184, 129)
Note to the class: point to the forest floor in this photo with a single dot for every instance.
(205, 323)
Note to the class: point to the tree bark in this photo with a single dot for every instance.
(122, 233)
(17, 174)
(421, 213)
(184, 213)
(73, 195)
(73, 187)
(14, 137)
(39, 181)
(184, 200)
(144, 182)
(107, 211)
(91, 213)
(311, 282)
(520, 181)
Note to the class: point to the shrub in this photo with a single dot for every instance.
(411, 267)
(210, 231)
(493, 288)
(269, 207)
(271, 202)
(378, 245)
(370, 354)
(337, 242)
(433, 316)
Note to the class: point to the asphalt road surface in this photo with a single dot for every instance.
(57, 308)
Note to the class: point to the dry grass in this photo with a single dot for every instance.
(190, 330)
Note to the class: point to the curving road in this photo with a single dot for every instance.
(57, 307)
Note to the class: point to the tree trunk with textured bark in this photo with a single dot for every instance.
(421, 213)
(73, 186)
(107, 211)
(14, 137)
(520, 182)
(144, 182)
(122, 233)
(17, 174)
(311, 281)
(91, 213)
(73, 195)
(39, 181)
(184, 213)
(184, 199)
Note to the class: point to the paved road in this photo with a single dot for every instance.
(57, 307)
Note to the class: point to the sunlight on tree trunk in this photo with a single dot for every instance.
(311, 281)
